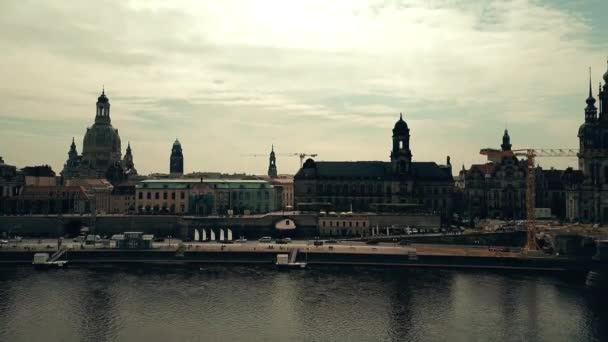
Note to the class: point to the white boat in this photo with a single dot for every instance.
(288, 261)
(42, 260)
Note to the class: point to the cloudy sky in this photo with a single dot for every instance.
(230, 78)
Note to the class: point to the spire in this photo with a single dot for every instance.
(506, 141)
(103, 89)
(590, 110)
(400, 116)
(129, 147)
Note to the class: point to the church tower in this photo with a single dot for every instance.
(176, 163)
(401, 155)
(102, 115)
(506, 141)
(128, 164)
(272, 166)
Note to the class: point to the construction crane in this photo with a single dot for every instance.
(531, 154)
(294, 154)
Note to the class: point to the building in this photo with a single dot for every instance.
(54, 199)
(334, 224)
(99, 191)
(496, 189)
(39, 176)
(398, 185)
(122, 199)
(11, 184)
(205, 196)
(101, 151)
(272, 164)
(176, 161)
(587, 199)
(284, 186)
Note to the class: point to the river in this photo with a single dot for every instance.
(230, 303)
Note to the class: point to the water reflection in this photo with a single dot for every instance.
(324, 304)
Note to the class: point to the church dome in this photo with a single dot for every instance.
(401, 127)
(101, 139)
(103, 98)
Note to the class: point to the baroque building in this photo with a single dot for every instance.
(587, 199)
(176, 161)
(496, 189)
(397, 185)
(101, 151)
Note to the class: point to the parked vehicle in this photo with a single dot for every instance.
(318, 243)
(265, 239)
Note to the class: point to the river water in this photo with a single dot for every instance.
(219, 303)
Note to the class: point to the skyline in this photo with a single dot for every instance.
(315, 78)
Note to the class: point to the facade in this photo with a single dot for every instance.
(99, 191)
(50, 200)
(176, 161)
(496, 189)
(39, 176)
(12, 182)
(587, 200)
(344, 225)
(101, 151)
(360, 186)
(205, 196)
(122, 199)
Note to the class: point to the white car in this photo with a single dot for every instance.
(265, 239)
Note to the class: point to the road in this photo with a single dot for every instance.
(50, 245)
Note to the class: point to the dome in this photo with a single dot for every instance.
(400, 126)
(101, 139)
(176, 143)
(103, 98)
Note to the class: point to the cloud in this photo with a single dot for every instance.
(316, 76)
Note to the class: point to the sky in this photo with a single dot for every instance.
(231, 78)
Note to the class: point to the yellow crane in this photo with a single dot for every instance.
(531, 154)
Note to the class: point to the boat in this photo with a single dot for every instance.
(288, 261)
(43, 261)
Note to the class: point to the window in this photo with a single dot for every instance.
(164, 195)
(173, 195)
(401, 144)
(182, 196)
(156, 195)
(141, 195)
(148, 195)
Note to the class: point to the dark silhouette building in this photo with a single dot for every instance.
(176, 161)
(101, 150)
(399, 185)
(588, 199)
(272, 165)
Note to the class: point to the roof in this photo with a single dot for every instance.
(214, 183)
(355, 169)
(379, 170)
(38, 171)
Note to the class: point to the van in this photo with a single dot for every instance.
(265, 239)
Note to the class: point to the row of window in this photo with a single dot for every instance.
(182, 195)
(369, 189)
(337, 223)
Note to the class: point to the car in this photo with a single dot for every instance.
(3, 242)
(241, 240)
(372, 242)
(414, 231)
(282, 241)
(318, 243)
(265, 239)
(332, 241)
